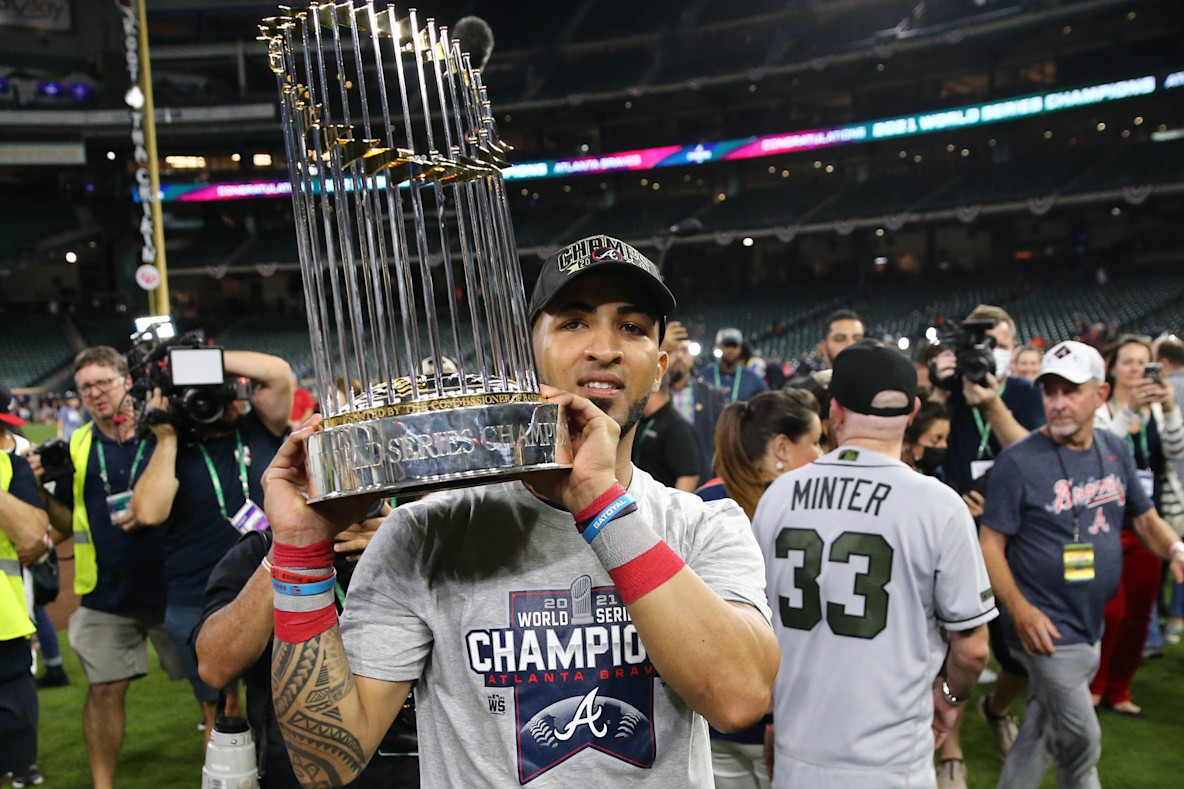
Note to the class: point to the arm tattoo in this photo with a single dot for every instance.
(309, 683)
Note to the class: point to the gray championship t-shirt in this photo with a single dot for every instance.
(1036, 490)
(865, 559)
(529, 669)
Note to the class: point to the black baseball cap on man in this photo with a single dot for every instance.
(865, 369)
(600, 255)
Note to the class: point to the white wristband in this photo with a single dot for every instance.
(1176, 547)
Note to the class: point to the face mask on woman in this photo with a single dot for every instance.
(931, 459)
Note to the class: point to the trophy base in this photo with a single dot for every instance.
(436, 450)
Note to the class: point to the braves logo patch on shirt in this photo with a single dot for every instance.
(580, 675)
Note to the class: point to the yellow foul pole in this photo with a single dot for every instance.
(159, 298)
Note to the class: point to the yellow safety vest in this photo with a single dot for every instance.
(14, 610)
(86, 566)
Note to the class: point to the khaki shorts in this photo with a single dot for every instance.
(114, 647)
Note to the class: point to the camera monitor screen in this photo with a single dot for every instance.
(196, 366)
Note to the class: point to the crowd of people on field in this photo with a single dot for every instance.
(881, 519)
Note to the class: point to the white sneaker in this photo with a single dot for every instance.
(1004, 727)
(1172, 633)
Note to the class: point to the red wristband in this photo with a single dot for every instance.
(292, 577)
(296, 627)
(643, 574)
(605, 499)
(319, 554)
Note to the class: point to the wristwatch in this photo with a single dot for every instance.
(950, 698)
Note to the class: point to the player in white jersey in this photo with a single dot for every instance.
(867, 562)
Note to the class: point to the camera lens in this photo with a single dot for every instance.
(202, 406)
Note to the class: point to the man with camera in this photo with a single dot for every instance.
(989, 410)
(202, 485)
(697, 402)
(116, 570)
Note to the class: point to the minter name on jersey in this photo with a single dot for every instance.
(839, 493)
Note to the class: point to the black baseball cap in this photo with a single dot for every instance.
(866, 368)
(600, 255)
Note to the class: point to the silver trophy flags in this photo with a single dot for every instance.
(416, 308)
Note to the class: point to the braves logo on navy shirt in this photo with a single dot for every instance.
(581, 677)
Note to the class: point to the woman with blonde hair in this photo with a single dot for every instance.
(756, 442)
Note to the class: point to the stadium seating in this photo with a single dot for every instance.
(34, 346)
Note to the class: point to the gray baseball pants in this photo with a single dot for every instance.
(1060, 723)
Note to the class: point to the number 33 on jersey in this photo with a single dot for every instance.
(865, 561)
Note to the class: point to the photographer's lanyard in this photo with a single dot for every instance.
(984, 429)
(103, 467)
(242, 474)
(735, 382)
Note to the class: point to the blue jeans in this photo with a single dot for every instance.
(180, 622)
(51, 651)
(1175, 610)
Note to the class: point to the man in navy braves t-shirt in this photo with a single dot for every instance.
(1054, 511)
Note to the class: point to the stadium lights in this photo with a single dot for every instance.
(163, 324)
(931, 334)
(903, 343)
(236, 157)
(261, 160)
(71, 257)
(110, 156)
(694, 349)
(748, 241)
(718, 353)
(186, 162)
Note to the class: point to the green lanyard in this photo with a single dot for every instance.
(735, 382)
(684, 403)
(984, 429)
(641, 436)
(1130, 442)
(242, 473)
(103, 466)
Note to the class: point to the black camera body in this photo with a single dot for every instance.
(55, 460)
(973, 353)
(190, 374)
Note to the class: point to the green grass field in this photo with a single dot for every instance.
(37, 432)
(162, 747)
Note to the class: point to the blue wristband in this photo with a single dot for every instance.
(304, 590)
(621, 506)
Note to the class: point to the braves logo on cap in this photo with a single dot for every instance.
(581, 677)
(607, 254)
(600, 249)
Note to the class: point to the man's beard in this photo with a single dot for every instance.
(677, 375)
(632, 417)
